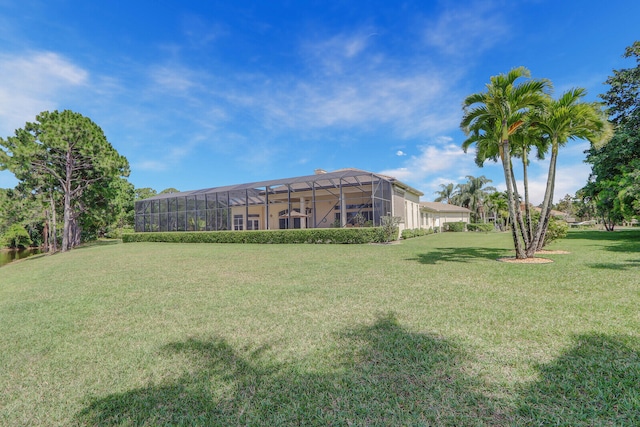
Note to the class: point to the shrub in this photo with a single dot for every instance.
(309, 235)
(16, 237)
(455, 226)
(359, 220)
(483, 227)
(390, 227)
(557, 229)
(117, 233)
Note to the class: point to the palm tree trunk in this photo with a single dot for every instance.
(506, 165)
(543, 222)
(527, 212)
(520, 221)
(547, 217)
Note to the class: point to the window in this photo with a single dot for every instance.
(238, 223)
(284, 219)
(253, 222)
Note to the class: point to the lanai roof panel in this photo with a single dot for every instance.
(301, 183)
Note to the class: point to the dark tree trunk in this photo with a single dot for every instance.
(53, 237)
(66, 229)
(45, 231)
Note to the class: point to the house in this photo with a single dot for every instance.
(435, 214)
(554, 213)
(342, 198)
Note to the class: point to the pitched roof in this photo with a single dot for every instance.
(443, 207)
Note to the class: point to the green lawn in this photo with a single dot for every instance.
(432, 331)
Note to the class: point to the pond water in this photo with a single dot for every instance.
(8, 255)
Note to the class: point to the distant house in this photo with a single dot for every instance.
(434, 214)
(554, 213)
(342, 198)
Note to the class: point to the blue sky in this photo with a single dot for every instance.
(199, 94)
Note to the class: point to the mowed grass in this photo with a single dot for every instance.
(432, 331)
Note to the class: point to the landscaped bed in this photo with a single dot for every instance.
(432, 331)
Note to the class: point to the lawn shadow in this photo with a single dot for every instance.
(625, 265)
(380, 374)
(467, 254)
(594, 383)
(99, 243)
(622, 241)
(616, 241)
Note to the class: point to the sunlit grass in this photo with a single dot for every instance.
(432, 331)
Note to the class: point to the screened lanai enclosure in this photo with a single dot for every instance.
(326, 199)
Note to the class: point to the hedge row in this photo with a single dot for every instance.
(309, 235)
(485, 227)
(455, 226)
(409, 233)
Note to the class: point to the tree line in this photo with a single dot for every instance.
(613, 188)
(72, 184)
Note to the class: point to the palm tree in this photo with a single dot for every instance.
(491, 118)
(522, 141)
(473, 194)
(487, 142)
(446, 194)
(498, 205)
(561, 120)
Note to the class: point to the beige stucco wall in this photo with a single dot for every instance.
(431, 219)
(406, 205)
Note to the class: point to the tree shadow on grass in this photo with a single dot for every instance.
(98, 243)
(594, 383)
(625, 265)
(617, 241)
(382, 374)
(465, 255)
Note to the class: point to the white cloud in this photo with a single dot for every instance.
(569, 179)
(434, 158)
(173, 78)
(200, 32)
(400, 153)
(348, 85)
(31, 83)
(411, 104)
(335, 54)
(150, 165)
(351, 82)
(467, 29)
